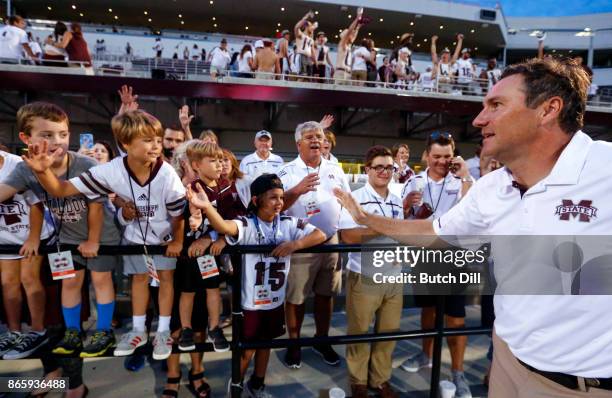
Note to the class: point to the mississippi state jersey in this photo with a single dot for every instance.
(465, 70)
(161, 197)
(15, 212)
(444, 72)
(304, 44)
(493, 76)
(264, 279)
(255, 166)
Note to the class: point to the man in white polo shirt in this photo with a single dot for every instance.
(262, 160)
(370, 365)
(544, 345)
(309, 182)
(429, 195)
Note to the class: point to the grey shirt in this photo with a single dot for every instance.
(70, 214)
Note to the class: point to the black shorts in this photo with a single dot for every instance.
(264, 324)
(188, 277)
(453, 305)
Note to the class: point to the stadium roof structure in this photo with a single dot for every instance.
(389, 19)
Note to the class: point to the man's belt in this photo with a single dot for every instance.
(343, 69)
(570, 381)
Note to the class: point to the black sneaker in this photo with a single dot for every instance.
(27, 344)
(8, 341)
(328, 354)
(218, 340)
(100, 343)
(293, 358)
(186, 342)
(71, 342)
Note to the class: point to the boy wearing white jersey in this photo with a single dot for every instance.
(371, 365)
(21, 223)
(264, 277)
(262, 160)
(158, 194)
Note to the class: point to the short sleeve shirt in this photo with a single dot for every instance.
(255, 166)
(359, 58)
(440, 195)
(12, 40)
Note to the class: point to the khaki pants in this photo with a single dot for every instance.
(510, 379)
(360, 75)
(373, 363)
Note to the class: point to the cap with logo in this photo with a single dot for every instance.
(263, 133)
(263, 184)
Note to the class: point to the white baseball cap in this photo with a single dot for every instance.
(263, 133)
(259, 44)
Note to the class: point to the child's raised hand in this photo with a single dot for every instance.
(198, 197)
(38, 158)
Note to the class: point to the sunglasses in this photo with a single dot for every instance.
(437, 134)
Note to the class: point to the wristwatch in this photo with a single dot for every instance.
(467, 179)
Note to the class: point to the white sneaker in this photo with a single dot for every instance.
(162, 345)
(416, 362)
(129, 342)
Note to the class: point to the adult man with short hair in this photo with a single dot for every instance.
(544, 345)
(266, 61)
(14, 39)
(219, 58)
(492, 74)
(283, 51)
(309, 181)
(370, 365)
(344, 60)
(322, 57)
(429, 195)
(262, 161)
(305, 43)
(465, 70)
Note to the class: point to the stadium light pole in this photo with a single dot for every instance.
(8, 8)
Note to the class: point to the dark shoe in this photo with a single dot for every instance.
(218, 340)
(201, 392)
(100, 343)
(70, 343)
(186, 342)
(293, 358)
(328, 354)
(359, 391)
(386, 391)
(134, 363)
(8, 341)
(26, 345)
(172, 380)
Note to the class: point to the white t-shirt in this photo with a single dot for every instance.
(12, 40)
(320, 207)
(219, 58)
(15, 212)
(493, 76)
(373, 203)
(569, 334)
(243, 63)
(254, 166)
(427, 83)
(440, 195)
(161, 198)
(304, 44)
(264, 279)
(465, 70)
(359, 58)
(473, 165)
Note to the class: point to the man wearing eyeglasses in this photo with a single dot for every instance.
(429, 195)
(371, 365)
(309, 181)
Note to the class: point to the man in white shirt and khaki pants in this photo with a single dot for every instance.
(553, 183)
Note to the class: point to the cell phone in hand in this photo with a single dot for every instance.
(86, 140)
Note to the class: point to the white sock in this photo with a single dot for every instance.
(163, 325)
(138, 322)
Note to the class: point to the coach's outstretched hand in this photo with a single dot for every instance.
(38, 159)
(347, 201)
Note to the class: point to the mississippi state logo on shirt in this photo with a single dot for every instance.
(582, 210)
(11, 211)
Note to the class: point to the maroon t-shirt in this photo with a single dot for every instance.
(77, 49)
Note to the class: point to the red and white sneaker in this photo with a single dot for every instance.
(129, 342)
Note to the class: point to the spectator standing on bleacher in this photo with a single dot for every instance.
(128, 49)
(465, 70)
(34, 46)
(245, 62)
(262, 160)
(344, 58)
(322, 57)
(266, 62)
(14, 40)
(443, 66)
(305, 43)
(492, 74)
(283, 51)
(76, 47)
(195, 53)
(55, 56)
(158, 47)
(186, 53)
(361, 56)
(219, 58)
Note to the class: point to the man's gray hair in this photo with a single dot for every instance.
(306, 126)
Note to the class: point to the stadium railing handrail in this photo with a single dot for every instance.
(237, 345)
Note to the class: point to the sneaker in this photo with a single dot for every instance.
(26, 345)
(70, 343)
(328, 354)
(463, 389)
(186, 342)
(100, 342)
(229, 388)
(218, 340)
(256, 393)
(129, 342)
(134, 363)
(8, 341)
(293, 358)
(416, 362)
(162, 345)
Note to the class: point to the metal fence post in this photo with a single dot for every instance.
(437, 348)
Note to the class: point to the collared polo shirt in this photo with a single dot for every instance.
(254, 166)
(440, 195)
